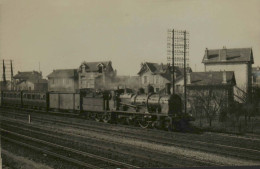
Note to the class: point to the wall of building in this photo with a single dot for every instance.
(26, 85)
(242, 72)
(62, 84)
(157, 81)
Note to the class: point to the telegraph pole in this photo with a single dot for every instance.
(12, 75)
(177, 51)
(173, 69)
(185, 72)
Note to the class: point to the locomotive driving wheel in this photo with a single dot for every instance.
(144, 123)
(98, 117)
(106, 117)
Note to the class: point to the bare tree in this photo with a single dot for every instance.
(208, 102)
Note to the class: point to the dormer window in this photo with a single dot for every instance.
(83, 68)
(100, 68)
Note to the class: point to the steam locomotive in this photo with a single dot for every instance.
(163, 111)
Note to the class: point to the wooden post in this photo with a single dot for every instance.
(29, 118)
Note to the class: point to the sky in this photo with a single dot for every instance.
(61, 34)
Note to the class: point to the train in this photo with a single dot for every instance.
(147, 110)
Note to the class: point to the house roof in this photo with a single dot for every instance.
(228, 55)
(211, 78)
(28, 75)
(164, 70)
(62, 73)
(93, 66)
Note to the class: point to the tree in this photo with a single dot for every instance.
(208, 101)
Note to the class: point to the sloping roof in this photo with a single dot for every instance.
(211, 78)
(93, 66)
(62, 73)
(230, 55)
(154, 67)
(28, 75)
(164, 70)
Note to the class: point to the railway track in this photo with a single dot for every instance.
(228, 150)
(164, 159)
(169, 142)
(161, 133)
(74, 156)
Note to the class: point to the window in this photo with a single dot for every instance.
(145, 79)
(156, 79)
(99, 69)
(52, 81)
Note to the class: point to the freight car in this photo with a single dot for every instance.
(143, 109)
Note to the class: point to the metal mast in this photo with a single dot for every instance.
(177, 55)
(173, 69)
(185, 72)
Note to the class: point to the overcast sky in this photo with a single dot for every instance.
(61, 34)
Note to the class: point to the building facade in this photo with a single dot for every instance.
(256, 76)
(31, 80)
(63, 80)
(157, 75)
(239, 60)
(96, 75)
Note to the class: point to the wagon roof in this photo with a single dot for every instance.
(69, 73)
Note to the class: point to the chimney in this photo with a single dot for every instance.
(223, 54)
(206, 54)
(188, 78)
(224, 77)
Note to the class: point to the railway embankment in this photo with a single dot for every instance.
(145, 147)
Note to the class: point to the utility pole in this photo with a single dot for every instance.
(12, 75)
(177, 55)
(173, 69)
(185, 72)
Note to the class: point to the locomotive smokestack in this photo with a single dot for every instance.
(168, 88)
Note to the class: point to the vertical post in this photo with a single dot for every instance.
(185, 80)
(12, 85)
(1, 162)
(73, 102)
(4, 77)
(80, 101)
(173, 69)
(29, 118)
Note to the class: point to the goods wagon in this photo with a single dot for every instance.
(64, 101)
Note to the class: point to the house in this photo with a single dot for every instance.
(33, 84)
(65, 80)
(31, 80)
(239, 60)
(256, 76)
(132, 82)
(33, 75)
(210, 87)
(96, 75)
(157, 75)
